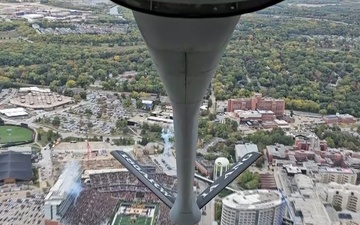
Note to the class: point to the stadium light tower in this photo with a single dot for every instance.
(186, 39)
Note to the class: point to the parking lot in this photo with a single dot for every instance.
(16, 210)
(84, 29)
(166, 162)
(98, 115)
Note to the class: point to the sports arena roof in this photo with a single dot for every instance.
(34, 89)
(14, 112)
(87, 173)
(15, 165)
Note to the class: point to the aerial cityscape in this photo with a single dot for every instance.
(78, 83)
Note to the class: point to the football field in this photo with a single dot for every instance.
(135, 214)
(127, 220)
(9, 134)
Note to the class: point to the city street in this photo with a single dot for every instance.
(208, 218)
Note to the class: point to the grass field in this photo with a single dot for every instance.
(126, 220)
(16, 134)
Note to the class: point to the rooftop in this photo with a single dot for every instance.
(253, 200)
(14, 112)
(265, 111)
(34, 89)
(312, 210)
(247, 113)
(105, 171)
(335, 170)
(292, 169)
(344, 187)
(303, 181)
(15, 165)
(243, 149)
(278, 150)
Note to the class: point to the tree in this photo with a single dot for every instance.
(330, 142)
(56, 121)
(323, 112)
(77, 98)
(88, 111)
(120, 123)
(260, 162)
(212, 116)
(337, 208)
(70, 84)
(249, 180)
(83, 95)
(139, 104)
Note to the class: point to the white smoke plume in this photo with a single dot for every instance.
(72, 182)
(166, 135)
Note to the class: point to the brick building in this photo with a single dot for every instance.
(257, 102)
(339, 118)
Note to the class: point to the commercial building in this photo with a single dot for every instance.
(339, 118)
(337, 175)
(277, 106)
(346, 196)
(62, 194)
(14, 112)
(310, 142)
(39, 99)
(309, 211)
(15, 166)
(277, 151)
(256, 207)
(243, 149)
(221, 165)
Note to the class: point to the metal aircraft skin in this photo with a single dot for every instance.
(167, 197)
(186, 39)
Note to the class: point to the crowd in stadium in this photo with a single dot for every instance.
(91, 208)
(97, 203)
(164, 215)
(124, 178)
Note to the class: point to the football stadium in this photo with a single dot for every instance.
(136, 214)
(116, 197)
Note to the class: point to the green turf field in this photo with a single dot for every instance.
(126, 220)
(17, 134)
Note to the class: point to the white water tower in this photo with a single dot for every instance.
(221, 165)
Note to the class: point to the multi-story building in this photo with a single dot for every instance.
(339, 118)
(346, 196)
(256, 207)
(62, 194)
(337, 175)
(257, 102)
(310, 143)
